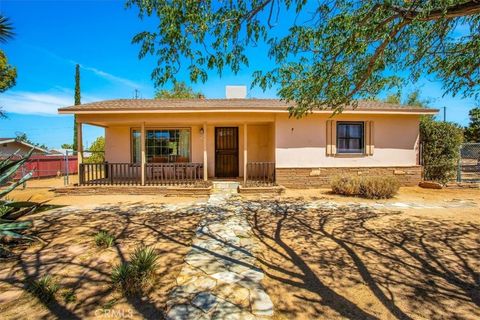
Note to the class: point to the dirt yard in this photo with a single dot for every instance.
(70, 255)
(416, 256)
(327, 260)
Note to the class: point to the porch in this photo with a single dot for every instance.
(176, 153)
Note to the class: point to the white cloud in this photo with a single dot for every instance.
(111, 77)
(38, 103)
(102, 74)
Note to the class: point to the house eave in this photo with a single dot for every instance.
(235, 110)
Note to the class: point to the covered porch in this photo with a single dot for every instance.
(173, 149)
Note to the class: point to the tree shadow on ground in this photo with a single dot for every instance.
(69, 254)
(359, 263)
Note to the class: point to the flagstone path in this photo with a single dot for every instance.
(220, 278)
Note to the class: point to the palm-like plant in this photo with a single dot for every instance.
(6, 29)
(10, 211)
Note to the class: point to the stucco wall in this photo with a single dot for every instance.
(301, 143)
(260, 144)
(117, 145)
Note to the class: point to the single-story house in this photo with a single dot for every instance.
(151, 141)
(9, 146)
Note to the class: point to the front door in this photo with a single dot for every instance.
(226, 152)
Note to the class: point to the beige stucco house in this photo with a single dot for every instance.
(152, 142)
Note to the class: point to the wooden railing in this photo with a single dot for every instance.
(261, 173)
(173, 173)
(92, 174)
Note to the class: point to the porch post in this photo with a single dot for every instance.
(143, 160)
(79, 147)
(205, 159)
(245, 153)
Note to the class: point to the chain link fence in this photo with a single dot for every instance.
(46, 166)
(468, 169)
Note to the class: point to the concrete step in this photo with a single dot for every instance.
(225, 186)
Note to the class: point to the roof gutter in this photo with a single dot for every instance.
(171, 111)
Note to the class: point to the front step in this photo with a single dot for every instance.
(225, 186)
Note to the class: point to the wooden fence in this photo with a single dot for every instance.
(261, 173)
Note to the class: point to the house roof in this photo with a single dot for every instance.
(10, 140)
(229, 105)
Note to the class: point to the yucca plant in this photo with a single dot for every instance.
(131, 277)
(10, 211)
(144, 261)
(123, 279)
(103, 239)
(44, 288)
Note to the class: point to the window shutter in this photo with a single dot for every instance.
(331, 138)
(328, 138)
(369, 138)
(334, 137)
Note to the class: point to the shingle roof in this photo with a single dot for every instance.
(217, 104)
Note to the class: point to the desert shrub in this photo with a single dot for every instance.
(366, 187)
(441, 143)
(123, 279)
(44, 288)
(144, 261)
(103, 239)
(69, 296)
(131, 277)
(379, 187)
(347, 186)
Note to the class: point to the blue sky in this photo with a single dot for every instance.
(52, 36)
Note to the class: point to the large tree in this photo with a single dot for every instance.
(77, 102)
(180, 90)
(8, 74)
(472, 132)
(332, 53)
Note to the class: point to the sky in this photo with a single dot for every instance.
(53, 36)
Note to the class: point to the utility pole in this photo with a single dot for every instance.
(136, 94)
(444, 114)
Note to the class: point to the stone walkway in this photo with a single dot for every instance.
(220, 279)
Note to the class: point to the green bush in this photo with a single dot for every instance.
(103, 239)
(441, 142)
(366, 187)
(131, 277)
(44, 289)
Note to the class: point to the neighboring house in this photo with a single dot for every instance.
(11, 145)
(226, 138)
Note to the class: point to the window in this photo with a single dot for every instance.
(162, 145)
(350, 137)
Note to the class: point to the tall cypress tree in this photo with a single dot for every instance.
(77, 102)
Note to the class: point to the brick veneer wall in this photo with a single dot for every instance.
(321, 177)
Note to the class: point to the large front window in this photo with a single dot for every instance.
(350, 137)
(162, 145)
